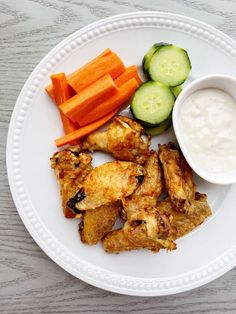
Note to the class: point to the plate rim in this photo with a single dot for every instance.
(216, 268)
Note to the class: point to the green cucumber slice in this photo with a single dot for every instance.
(169, 65)
(147, 57)
(161, 128)
(152, 103)
(177, 90)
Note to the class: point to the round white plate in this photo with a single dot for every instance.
(207, 252)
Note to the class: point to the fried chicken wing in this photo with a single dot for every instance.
(149, 190)
(184, 223)
(144, 228)
(150, 231)
(178, 178)
(97, 223)
(70, 167)
(106, 184)
(123, 139)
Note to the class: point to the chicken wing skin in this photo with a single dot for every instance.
(178, 178)
(184, 223)
(149, 190)
(70, 167)
(97, 223)
(144, 228)
(123, 139)
(106, 184)
(150, 231)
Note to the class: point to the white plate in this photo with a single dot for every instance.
(204, 254)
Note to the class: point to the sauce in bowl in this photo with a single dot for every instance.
(207, 122)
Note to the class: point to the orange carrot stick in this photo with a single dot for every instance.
(124, 93)
(78, 134)
(129, 73)
(108, 64)
(50, 92)
(85, 100)
(49, 88)
(62, 93)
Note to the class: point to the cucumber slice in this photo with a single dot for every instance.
(152, 103)
(147, 57)
(169, 65)
(177, 90)
(161, 128)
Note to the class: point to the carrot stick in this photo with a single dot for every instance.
(108, 64)
(125, 91)
(50, 92)
(49, 88)
(78, 134)
(85, 100)
(62, 92)
(129, 73)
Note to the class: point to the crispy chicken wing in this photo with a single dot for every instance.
(98, 222)
(123, 139)
(106, 184)
(70, 167)
(183, 223)
(178, 178)
(150, 231)
(144, 228)
(148, 192)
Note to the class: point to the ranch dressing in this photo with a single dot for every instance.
(208, 126)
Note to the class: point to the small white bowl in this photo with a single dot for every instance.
(225, 83)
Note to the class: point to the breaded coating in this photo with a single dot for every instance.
(70, 167)
(149, 231)
(178, 178)
(124, 139)
(184, 223)
(149, 190)
(97, 223)
(107, 184)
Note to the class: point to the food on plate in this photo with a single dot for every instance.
(148, 56)
(152, 103)
(70, 167)
(201, 116)
(169, 65)
(76, 135)
(107, 62)
(176, 90)
(123, 139)
(77, 106)
(114, 102)
(106, 184)
(128, 74)
(162, 127)
(147, 194)
(144, 226)
(150, 231)
(92, 95)
(130, 186)
(184, 223)
(62, 93)
(97, 223)
(178, 178)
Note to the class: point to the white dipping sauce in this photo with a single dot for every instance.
(208, 127)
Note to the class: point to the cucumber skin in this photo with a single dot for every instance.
(176, 90)
(142, 122)
(161, 128)
(187, 58)
(147, 57)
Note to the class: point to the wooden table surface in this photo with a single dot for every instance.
(29, 281)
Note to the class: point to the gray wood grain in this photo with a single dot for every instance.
(29, 281)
